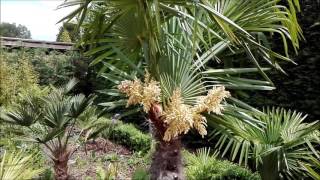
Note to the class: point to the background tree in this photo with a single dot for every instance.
(13, 30)
(68, 32)
(64, 36)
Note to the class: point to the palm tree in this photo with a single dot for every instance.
(51, 120)
(282, 149)
(180, 44)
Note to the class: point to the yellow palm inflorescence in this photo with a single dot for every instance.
(146, 93)
(179, 117)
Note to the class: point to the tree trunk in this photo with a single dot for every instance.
(61, 170)
(61, 166)
(167, 160)
(269, 168)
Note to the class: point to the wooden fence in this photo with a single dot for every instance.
(17, 42)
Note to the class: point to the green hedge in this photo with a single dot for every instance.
(129, 136)
(201, 166)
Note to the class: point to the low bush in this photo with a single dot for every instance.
(129, 136)
(141, 174)
(203, 166)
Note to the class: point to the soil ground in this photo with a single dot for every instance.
(104, 154)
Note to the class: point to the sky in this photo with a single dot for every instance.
(39, 16)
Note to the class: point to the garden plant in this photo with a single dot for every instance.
(51, 120)
(178, 48)
(164, 92)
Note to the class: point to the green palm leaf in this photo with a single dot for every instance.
(278, 148)
(16, 165)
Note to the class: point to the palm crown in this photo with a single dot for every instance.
(176, 41)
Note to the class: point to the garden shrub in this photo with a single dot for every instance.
(52, 67)
(202, 166)
(16, 75)
(128, 135)
(141, 174)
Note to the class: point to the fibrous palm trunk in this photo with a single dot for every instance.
(61, 165)
(270, 167)
(167, 160)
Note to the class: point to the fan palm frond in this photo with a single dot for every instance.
(16, 165)
(277, 148)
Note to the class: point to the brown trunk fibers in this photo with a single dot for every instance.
(61, 165)
(167, 160)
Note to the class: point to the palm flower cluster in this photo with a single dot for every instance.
(146, 93)
(181, 117)
(178, 117)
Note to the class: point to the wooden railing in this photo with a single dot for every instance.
(17, 42)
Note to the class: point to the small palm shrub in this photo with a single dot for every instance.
(278, 148)
(203, 166)
(110, 173)
(18, 165)
(92, 125)
(50, 121)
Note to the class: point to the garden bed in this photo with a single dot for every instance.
(100, 153)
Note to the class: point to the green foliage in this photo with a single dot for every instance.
(16, 76)
(51, 67)
(312, 167)
(298, 89)
(182, 43)
(140, 174)
(49, 119)
(18, 165)
(204, 166)
(47, 174)
(68, 33)
(13, 30)
(55, 67)
(64, 37)
(278, 148)
(130, 136)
